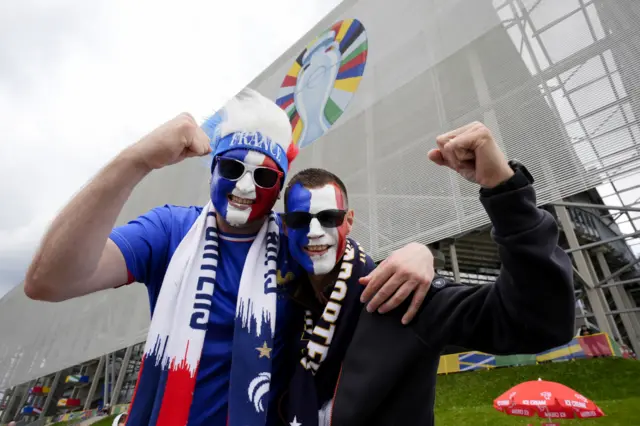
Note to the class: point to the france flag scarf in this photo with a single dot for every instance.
(325, 343)
(169, 368)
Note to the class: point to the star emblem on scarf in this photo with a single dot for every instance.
(265, 351)
(295, 422)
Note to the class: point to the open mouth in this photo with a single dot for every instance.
(239, 202)
(317, 250)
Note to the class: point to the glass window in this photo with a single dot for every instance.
(626, 182)
(583, 73)
(617, 82)
(567, 37)
(593, 96)
(539, 54)
(585, 153)
(631, 197)
(592, 13)
(626, 228)
(612, 200)
(576, 131)
(604, 121)
(544, 12)
(613, 142)
(633, 241)
(564, 107)
(605, 189)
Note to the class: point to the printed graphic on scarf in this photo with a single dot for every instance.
(324, 342)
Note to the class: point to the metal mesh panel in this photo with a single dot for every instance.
(556, 81)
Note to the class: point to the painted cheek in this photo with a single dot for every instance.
(219, 191)
(265, 200)
(297, 241)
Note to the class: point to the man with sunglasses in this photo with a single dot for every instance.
(216, 331)
(356, 368)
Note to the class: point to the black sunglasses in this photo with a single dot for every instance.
(327, 218)
(232, 169)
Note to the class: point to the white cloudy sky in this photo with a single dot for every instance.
(80, 80)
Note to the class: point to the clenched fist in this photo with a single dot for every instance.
(171, 143)
(474, 154)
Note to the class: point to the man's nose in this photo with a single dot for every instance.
(315, 229)
(245, 184)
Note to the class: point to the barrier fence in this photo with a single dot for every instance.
(595, 345)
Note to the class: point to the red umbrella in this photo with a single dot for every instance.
(548, 399)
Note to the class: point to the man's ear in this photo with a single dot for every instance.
(349, 220)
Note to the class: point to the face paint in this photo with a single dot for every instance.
(316, 248)
(241, 202)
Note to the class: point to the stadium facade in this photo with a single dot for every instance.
(367, 91)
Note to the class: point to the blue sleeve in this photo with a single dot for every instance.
(144, 242)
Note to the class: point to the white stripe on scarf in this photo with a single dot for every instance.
(174, 308)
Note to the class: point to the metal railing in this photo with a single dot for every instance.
(591, 226)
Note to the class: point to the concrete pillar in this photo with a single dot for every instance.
(112, 378)
(630, 327)
(52, 391)
(454, 262)
(5, 398)
(629, 303)
(25, 395)
(605, 304)
(115, 395)
(10, 410)
(105, 394)
(94, 383)
(595, 301)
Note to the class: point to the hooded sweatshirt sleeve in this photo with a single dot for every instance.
(530, 307)
(390, 368)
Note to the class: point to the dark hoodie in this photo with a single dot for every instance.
(389, 371)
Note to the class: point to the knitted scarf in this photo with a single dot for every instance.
(169, 368)
(325, 342)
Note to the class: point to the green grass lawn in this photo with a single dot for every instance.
(105, 422)
(612, 383)
(466, 399)
(102, 422)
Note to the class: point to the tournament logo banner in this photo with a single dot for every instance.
(323, 79)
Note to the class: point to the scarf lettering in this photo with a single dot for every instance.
(206, 283)
(321, 335)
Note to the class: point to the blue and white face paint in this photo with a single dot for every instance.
(315, 247)
(241, 202)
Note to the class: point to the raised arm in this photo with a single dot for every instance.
(531, 306)
(76, 256)
(528, 309)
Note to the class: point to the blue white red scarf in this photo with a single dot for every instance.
(169, 368)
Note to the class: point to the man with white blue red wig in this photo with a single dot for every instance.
(213, 354)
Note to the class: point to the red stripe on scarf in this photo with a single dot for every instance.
(178, 394)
